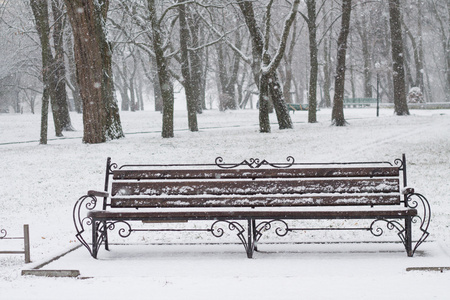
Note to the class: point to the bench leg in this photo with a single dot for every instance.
(246, 240)
(255, 246)
(250, 239)
(94, 238)
(408, 236)
(106, 236)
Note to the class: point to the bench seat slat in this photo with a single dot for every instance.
(256, 173)
(257, 214)
(254, 187)
(254, 201)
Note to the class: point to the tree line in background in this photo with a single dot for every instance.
(76, 55)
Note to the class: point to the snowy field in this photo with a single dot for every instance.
(39, 185)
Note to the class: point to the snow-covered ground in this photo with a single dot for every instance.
(39, 185)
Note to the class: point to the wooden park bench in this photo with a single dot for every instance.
(26, 242)
(296, 107)
(359, 102)
(251, 198)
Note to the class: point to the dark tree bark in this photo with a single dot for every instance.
(196, 65)
(400, 104)
(40, 12)
(314, 64)
(189, 87)
(93, 53)
(338, 101)
(164, 78)
(59, 66)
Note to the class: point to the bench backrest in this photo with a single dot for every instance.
(204, 186)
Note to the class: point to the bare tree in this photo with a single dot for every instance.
(337, 114)
(400, 105)
(314, 64)
(40, 12)
(164, 77)
(189, 86)
(265, 67)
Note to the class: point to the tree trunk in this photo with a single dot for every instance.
(125, 106)
(196, 65)
(314, 64)
(339, 83)
(123, 81)
(73, 82)
(139, 94)
(228, 77)
(133, 102)
(327, 63)
(40, 12)
(361, 26)
(163, 74)
(289, 77)
(191, 99)
(386, 53)
(421, 68)
(59, 67)
(264, 121)
(101, 118)
(400, 104)
(156, 87)
(44, 116)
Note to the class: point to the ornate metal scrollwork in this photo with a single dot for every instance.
(423, 218)
(3, 233)
(100, 236)
(419, 202)
(123, 232)
(254, 163)
(281, 230)
(84, 202)
(399, 163)
(232, 225)
(391, 225)
(112, 167)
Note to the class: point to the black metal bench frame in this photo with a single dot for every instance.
(26, 242)
(374, 189)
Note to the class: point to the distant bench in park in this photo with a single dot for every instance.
(359, 102)
(253, 198)
(296, 107)
(26, 242)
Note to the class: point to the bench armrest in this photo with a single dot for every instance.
(98, 194)
(407, 190)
